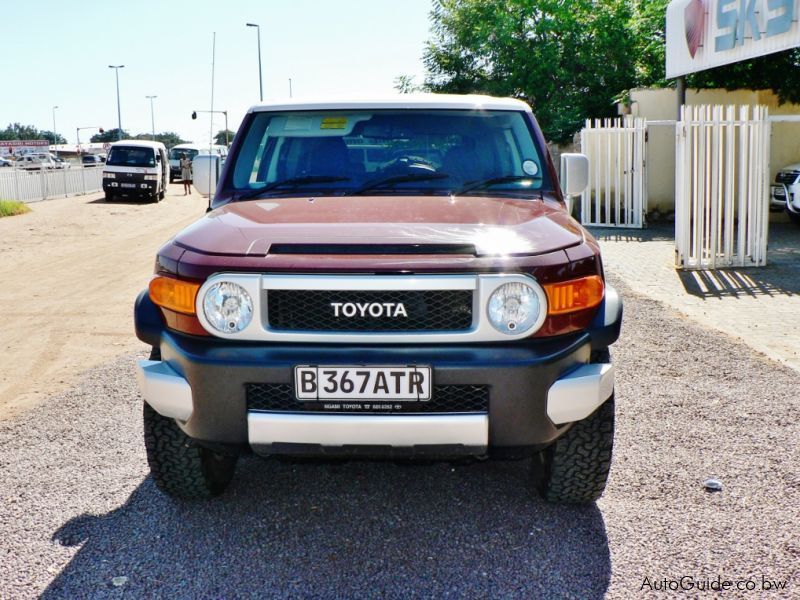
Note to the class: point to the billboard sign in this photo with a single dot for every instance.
(19, 147)
(702, 34)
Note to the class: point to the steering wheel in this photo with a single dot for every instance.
(406, 163)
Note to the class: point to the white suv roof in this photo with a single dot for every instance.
(139, 143)
(410, 101)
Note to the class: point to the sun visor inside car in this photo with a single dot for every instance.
(331, 124)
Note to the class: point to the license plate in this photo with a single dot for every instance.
(128, 185)
(362, 383)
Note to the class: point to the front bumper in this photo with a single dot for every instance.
(136, 188)
(536, 389)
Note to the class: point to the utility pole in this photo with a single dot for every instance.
(290, 87)
(152, 116)
(55, 135)
(260, 81)
(119, 112)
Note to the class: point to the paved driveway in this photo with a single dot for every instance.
(760, 306)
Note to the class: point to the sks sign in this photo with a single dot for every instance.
(702, 34)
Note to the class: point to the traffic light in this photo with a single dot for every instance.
(194, 114)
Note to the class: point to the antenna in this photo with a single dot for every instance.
(211, 115)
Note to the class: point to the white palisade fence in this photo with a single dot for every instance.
(617, 191)
(721, 187)
(34, 185)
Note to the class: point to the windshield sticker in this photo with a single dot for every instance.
(530, 167)
(333, 123)
(295, 123)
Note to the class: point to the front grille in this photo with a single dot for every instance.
(787, 177)
(279, 397)
(312, 310)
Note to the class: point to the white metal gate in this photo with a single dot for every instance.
(617, 191)
(721, 187)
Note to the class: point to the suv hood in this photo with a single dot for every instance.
(493, 226)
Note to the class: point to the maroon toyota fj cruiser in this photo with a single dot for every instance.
(395, 278)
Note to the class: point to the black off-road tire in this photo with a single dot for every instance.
(109, 197)
(795, 217)
(179, 466)
(574, 469)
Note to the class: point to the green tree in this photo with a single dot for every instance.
(224, 137)
(572, 60)
(16, 131)
(109, 135)
(168, 138)
(53, 138)
(405, 84)
(567, 59)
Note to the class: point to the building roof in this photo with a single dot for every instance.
(410, 101)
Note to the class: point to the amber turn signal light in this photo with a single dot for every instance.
(576, 294)
(174, 294)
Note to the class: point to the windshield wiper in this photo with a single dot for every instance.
(291, 182)
(397, 179)
(484, 183)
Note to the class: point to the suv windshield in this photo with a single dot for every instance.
(130, 156)
(388, 151)
(175, 153)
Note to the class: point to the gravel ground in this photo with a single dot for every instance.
(79, 517)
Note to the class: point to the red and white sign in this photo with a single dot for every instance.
(702, 34)
(18, 147)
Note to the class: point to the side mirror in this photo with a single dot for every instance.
(574, 176)
(205, 173)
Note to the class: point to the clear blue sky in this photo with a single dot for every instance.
(57, 52)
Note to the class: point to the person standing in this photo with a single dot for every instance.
(186, 174)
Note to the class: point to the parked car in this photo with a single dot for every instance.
(93, 160)
(438, 303)
(33, 161)
(60, 163)
(4, 162)
(136, 168)
(785, 192)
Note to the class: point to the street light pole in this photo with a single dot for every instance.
(290, 87)
(224, 112)
(55, 135)
(78, 135)
(260, 80)
(152, 116)
(119, 112)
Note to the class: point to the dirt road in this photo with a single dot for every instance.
(69, 273)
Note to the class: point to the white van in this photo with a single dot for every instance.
(37, 160)
(191, 150)
(136, 168)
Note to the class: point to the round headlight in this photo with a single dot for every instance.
(513, 308)
(228, 307)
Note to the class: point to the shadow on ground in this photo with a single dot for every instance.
(781, 276)
(356, 529)
(657, 232)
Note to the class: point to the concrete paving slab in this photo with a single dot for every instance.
(759, 305)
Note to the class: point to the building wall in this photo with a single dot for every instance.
(661, 105)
